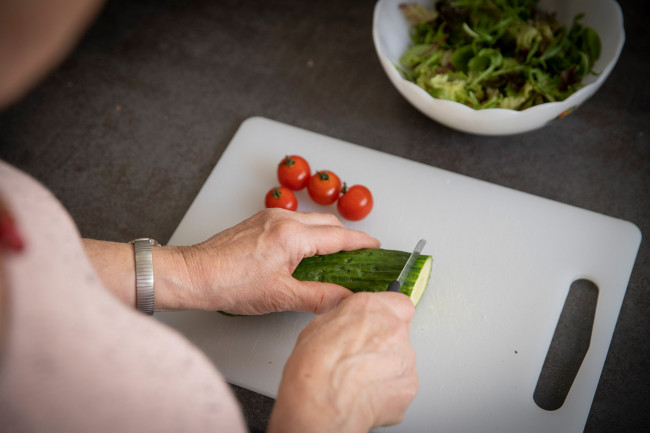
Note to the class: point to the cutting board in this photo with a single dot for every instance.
(503, 264)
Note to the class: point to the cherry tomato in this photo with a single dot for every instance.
(281, 197)
(293, 172)
(355, 203)
(324, 187)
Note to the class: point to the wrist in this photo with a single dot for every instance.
(172, 279)
(308, 415)
(211, 277)
(115, 265)
(307, 401)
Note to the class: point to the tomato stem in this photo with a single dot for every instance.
(288, 161)
(322, 175)
(344, 189)
(276, 192)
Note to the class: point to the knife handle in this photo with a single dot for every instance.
(394, 286)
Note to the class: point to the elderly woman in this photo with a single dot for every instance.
(77, 355)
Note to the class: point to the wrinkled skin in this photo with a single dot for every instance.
(247, 268)
(352, 369)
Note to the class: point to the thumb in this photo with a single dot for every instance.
(316, 297)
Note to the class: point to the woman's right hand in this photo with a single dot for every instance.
(352, 369)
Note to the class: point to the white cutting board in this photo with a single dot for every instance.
(503, 264)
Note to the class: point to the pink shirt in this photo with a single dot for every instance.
(75, 359)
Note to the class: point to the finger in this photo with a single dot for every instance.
(317, 218)
(316, 297)
(307, 218)
(401, 304)
(328, 240)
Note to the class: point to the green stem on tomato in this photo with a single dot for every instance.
(288, 161)
(322, 175)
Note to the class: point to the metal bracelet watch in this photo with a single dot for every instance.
(144, 297)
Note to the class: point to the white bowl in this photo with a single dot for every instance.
(391, 37)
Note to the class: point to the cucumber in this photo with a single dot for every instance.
(367, 270)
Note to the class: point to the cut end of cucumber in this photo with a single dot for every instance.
(422, 282)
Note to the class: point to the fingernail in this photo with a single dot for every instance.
(9, 236)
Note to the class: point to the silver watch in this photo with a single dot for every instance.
(144, 298)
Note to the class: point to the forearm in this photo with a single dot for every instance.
(114, 262)
(246, 269)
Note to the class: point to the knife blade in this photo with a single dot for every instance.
(396, 285)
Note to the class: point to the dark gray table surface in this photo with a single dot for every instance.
(127, 129)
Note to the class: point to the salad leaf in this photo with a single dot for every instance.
(417, 14)
(496, 53)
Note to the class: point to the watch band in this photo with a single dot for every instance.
(144, 296)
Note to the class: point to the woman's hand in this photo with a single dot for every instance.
(352, 369)
(247, 268)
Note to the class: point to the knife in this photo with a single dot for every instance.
(396, 285)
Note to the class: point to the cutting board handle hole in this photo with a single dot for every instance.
(568, 347)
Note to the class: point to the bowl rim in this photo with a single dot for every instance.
(569, 103)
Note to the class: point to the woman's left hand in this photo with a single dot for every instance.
(247, 268)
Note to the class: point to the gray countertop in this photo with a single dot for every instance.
(127, 129)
